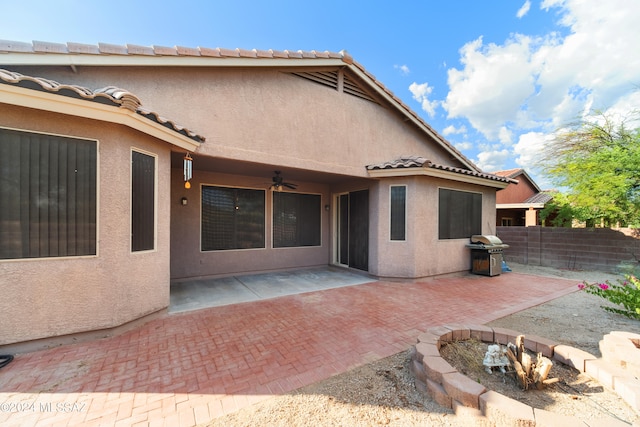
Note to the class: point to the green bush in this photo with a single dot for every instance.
(625, 293)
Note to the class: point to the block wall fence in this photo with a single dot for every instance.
(602, 249)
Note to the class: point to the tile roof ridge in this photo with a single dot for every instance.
(9, 46)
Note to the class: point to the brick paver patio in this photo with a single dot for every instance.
(185, 369)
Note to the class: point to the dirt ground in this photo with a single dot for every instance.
(383, 392)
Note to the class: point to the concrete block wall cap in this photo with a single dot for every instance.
(427, 349)
(572, 356)
(620, 340)
(428, 337)
(459, 331)
(442, 332)
(463, 389)
(436, 367)
(625, 334)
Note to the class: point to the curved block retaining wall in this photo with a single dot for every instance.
(451, 389)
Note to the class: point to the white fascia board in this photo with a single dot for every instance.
(45, 101)
(437, 173)
(21, 59)
(520, 205)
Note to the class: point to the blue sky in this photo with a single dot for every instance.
(497, 78)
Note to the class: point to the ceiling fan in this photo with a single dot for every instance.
(278, 183)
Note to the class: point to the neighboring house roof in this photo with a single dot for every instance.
(537, 200)
(76, 54)
(514, 173)
(417, 165)
(109, 96)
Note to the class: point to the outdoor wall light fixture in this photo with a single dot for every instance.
(184, 201)
(327, 207)
(187, 166)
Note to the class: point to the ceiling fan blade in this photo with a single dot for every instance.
(290, 185)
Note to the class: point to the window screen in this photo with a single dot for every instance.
(398, 212)
(232, 218)
(296, 220)
(459, 214)
(143, 176)
(47, 195)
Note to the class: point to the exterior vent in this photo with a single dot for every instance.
(327, 78)
(353, 88)
(333, 79)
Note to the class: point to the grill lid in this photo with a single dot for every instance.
(486, 239)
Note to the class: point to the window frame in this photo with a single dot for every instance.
(154, 227)
(273, 219)
(264, 218)
(474, 225)
(404, 213)
(93, 198)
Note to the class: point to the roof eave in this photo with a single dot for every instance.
(66, 59)
(81, 108)
(437, 173)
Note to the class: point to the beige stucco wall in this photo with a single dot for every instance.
(423, 254)
(57, 296)
(188, 261)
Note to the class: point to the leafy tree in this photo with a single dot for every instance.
(597, 161)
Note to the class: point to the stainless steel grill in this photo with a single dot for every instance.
(486, 254)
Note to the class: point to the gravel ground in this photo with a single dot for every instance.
(383, 392)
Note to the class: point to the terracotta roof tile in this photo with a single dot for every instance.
(11, 46)
(228, 52)
(405, 162)
(187, 51)
(243, 53)
(165, 51)
(87, 49)
(205, 51)
(279, 54)
(263, 53)
(511, 173)
(293, 54)
(49, 47)
(112, 49)
(133, 49)
(110, 95)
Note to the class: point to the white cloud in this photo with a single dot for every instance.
(452, 130)
(530, 148)
(404, 70)
(421, 94)
(540, 83)
(505, 135)
(493, 85)
(492, 160)
(461, 146)
(524, 9)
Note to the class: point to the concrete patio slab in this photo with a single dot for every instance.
(202, 293)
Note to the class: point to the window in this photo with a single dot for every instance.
(398, 202)
(232, 218)
(296, 220)
(48, 195)
(459, 214)
(143, 201)
(507, 222)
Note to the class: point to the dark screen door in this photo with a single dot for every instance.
(353, 229)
